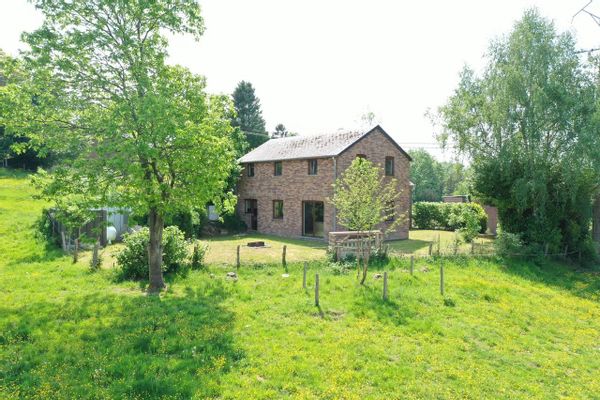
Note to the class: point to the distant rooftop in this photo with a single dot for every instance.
(302, 147)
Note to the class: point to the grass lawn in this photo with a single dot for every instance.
(506, 329)
(418, 243)
(222, 250)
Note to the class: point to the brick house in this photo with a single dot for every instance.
(285, 183)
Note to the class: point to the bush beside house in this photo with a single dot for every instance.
(447, 216)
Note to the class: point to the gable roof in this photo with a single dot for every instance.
(316, 146)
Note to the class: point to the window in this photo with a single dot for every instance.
(390, 211)
(312, 167)
(278, 168)
(250, 169)
(361, 156)
(389, 166)
(248, 206)
(277, 209)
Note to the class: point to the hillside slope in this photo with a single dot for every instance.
(504, 329)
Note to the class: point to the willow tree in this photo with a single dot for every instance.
(146, 135)
(526, 122)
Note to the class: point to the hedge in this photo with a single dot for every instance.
(430, 215)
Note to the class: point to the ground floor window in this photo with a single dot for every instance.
(277, 209)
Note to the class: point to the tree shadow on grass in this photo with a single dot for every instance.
(581, 283)
(48, 254)
(120, 345)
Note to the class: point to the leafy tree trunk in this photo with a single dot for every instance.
(76, 248)
(156, 225)
(366, 254)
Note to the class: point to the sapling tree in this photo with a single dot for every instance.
(146, 135)
(73, 213)
(366, 199)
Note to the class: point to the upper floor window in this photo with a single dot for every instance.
(389, 166)
(277, 209)
(278, 168)
(312, 167)
(250, 169)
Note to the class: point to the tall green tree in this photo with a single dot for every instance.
(15, 150)
(280, 131)
(147, 135)
(455, 177)
(526, 123)
(248, 115)
(364, 199)
(428, 176)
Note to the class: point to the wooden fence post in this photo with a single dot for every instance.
(237, 260)
(95, 260)
(317, 290)
(412, 264)
(283, 257)
(304, 275)
(441, 277)
(473, 247)
(430, 248)
(385, 286)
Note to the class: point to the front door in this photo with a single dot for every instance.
(313, 212)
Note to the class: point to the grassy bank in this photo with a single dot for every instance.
(505, 329)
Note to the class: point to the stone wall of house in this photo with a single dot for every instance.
(295, 185)
(376, 147)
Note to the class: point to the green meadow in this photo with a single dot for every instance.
(505, 329)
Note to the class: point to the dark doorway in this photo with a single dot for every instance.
(251, 207)
(313, 218)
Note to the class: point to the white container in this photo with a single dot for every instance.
(111, 234)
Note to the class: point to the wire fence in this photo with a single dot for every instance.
(484, 249)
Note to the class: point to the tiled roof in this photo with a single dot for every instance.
(299, 147)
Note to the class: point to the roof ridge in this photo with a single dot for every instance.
(320, 145)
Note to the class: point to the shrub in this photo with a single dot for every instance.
(507, 244)
(233, 223)
(479, 212)
(198, 254)
(190, 222)
(133, 259)
(448, 216)
(466, 223)
(341, 267)
(43, 228)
